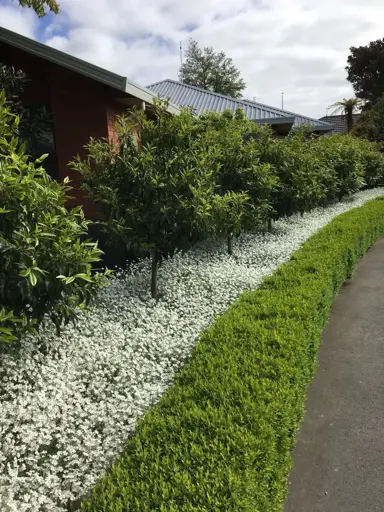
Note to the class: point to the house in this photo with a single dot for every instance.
(339, 122)
(83, 101)
(281, 121)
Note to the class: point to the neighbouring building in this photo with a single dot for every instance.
(281, 121)
(339, 122)
(83, 101)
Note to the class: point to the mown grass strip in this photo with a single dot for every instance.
(221, 437)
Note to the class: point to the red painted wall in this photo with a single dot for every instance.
(81, 108)
(113, 110)
(37, 71)
(79, 113)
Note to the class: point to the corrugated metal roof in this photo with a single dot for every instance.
(203, 101)
(339, 123)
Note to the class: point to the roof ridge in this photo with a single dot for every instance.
(159, 82)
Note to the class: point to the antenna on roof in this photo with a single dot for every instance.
(282, 101)
(181, 54)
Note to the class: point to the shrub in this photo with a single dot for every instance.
(220, 439)
(45, 267)
(241, 173)
(229, 211)
(312, 170)
(371, 121)
(341, 153)
(155, 195)
(372, 161)
(303, 181)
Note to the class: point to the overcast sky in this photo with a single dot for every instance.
(298, 47)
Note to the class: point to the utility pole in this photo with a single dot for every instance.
(181, 61)
(282, 101)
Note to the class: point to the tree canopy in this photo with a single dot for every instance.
(366, 70)
(40, 6)
(211, 70)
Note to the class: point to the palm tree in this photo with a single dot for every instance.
(348, 108)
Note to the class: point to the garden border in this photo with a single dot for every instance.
(221, 437)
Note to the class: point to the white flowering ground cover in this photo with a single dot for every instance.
(69, 403)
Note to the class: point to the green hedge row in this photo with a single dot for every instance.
(221, 437)
(188, 178)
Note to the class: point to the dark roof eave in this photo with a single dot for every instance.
(321, 128)
(275, 120)
(315, 127)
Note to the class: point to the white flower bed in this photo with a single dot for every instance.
(68, 403)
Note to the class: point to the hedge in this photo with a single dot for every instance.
(191, 178)
(221, 437)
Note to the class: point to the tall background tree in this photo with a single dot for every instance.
(347, 107)
(366, 70)
(211, 70)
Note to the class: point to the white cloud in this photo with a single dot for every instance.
(296, 46)
(22, 21)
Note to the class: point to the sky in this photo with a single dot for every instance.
(295, 47)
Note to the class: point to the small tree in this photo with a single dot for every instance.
(244, 182)
(348, 107)
(212, 71)
(229, 210)
(155, 195)
(45, 266)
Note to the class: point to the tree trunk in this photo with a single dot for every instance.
(155, 260)
(349, 119)
(270, 224)
(230, 245)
